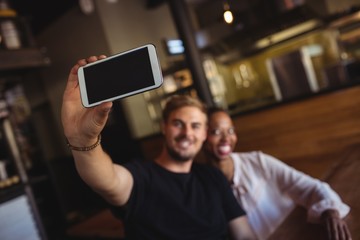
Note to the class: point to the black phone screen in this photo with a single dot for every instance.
(119, 75)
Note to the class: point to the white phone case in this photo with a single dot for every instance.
(121, 75)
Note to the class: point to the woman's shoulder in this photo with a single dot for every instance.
(252, 161)
(250, 156)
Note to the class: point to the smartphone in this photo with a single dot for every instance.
(119, 76)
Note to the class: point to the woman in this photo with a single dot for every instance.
(268, 189)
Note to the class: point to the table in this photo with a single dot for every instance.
(103, 225)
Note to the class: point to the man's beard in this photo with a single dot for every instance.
(177, 156)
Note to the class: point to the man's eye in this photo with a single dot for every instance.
(177, 124)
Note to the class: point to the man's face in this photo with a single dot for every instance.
(185, 132)
(221, 139)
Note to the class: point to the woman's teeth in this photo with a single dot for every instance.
(224, 149)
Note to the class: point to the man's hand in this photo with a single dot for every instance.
(82, 126)
(336, 228)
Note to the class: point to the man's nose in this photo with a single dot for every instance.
(187, 130)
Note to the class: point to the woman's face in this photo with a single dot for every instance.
(221, 138)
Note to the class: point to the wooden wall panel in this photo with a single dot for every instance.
(310, 134)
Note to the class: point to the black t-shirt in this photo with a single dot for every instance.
(166, 205)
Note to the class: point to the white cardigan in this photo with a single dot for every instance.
(268, 190)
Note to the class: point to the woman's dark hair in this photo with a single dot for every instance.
(213, 110)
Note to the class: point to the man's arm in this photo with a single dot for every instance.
(239, 229)
(82, 127)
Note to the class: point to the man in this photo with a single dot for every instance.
(267, 188)
(168, 198)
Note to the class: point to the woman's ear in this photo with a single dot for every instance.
(162, 127)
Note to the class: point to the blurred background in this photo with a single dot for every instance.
(272, 53)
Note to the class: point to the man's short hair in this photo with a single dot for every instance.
(178, 101)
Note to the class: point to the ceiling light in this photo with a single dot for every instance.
(228, 16)
(87, 6)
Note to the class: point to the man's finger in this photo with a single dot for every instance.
(102, 112)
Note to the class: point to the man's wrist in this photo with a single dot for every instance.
(87, 148)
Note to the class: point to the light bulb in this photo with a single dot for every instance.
(228, 16)
(87, 6)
